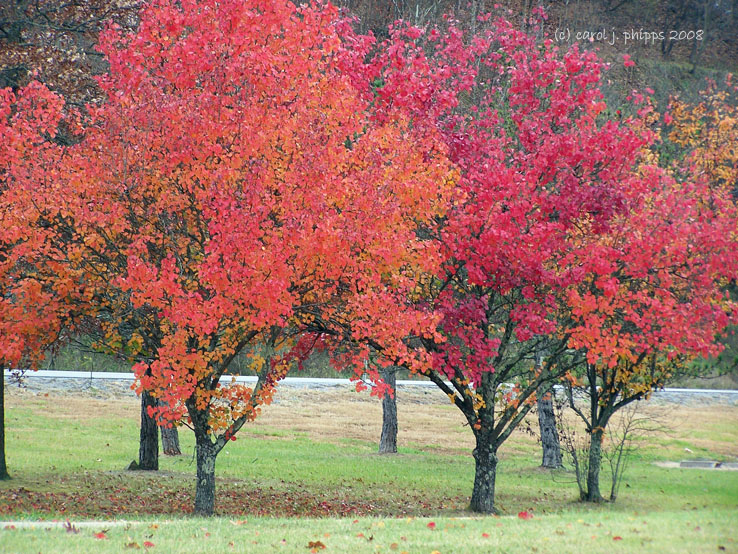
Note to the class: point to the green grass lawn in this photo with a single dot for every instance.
(603, 531)
(67, 463)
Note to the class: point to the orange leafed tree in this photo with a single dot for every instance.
(708, 133)
(231, 188)
(31, 311)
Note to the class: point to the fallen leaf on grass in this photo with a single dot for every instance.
(316, 545)
(101, 535)
(134, 545)
(525, 515)
(485, 535)
(70, 528)
(431, 525)
(617, 538)
(394, 546)
(149, 544)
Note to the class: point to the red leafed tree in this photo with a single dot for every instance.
(655, 294)
(524, 124)
(230, 190)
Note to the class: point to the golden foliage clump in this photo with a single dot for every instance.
(709, 133)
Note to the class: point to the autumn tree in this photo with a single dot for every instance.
(230, 189)
(522, 123)
(30, 309)
(654, 300)
(701, 137)
(655, 296)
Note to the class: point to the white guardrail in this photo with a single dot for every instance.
(242, 379)
(289, 381)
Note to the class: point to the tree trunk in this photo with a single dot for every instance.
(148, 452)
(483, 495)
(388, 441)
(3, 468)
(169, 440)
(205, 488)
(593, 468)
(549, 434)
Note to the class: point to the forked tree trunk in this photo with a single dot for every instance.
(549, 435)
(169, 440)
(3, 468)
(388, 440)
(205, 488)
(593, 469)
(483, 494)
(148, 451)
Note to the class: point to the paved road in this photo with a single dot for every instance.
(120, 383)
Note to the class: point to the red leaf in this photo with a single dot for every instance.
(431, 525)
(525, 515)
(149, 544)
(617, 538)
(101, 535)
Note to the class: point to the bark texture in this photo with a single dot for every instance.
(549, 435)
(593, 468)
(170, 440)
(3, 468)
(388, 440)
(483, 494)
(148, 451)
(205, 488)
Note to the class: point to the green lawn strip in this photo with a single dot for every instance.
(65, 467)
(598, 531)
